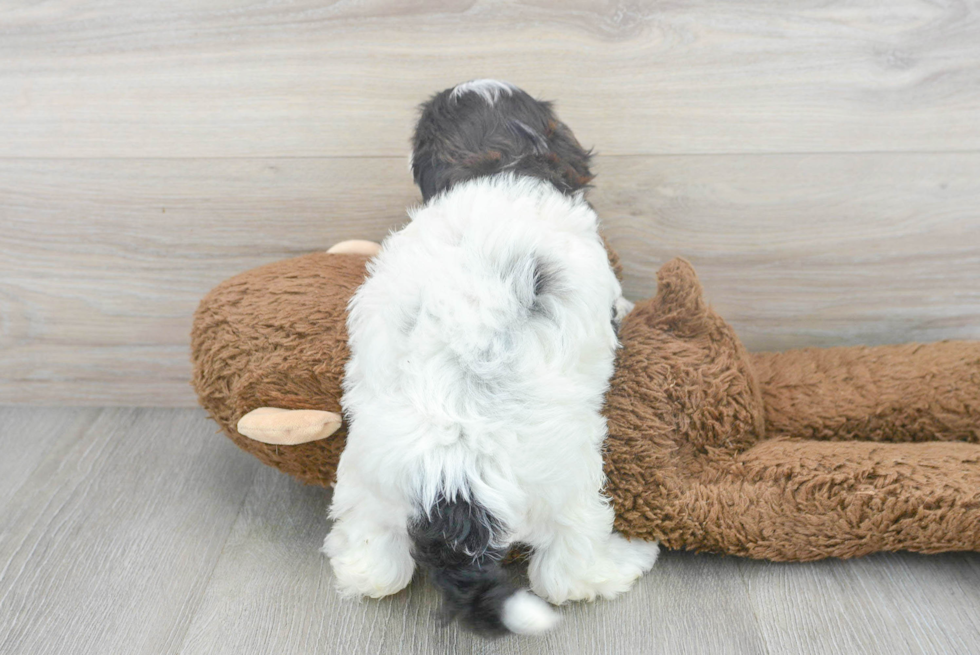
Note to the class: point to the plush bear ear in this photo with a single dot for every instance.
(679, 303)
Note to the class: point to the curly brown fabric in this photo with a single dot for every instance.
(786, 456)
(276, 336)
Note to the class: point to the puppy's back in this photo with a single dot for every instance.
(481, 336)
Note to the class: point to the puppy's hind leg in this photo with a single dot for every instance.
(368, 545)
(577, 556)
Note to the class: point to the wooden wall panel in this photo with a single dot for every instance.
(802, 250)
(118, 78)
(102, 262)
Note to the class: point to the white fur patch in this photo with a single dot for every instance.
(487, 89)
(526, 614)
(481, 348)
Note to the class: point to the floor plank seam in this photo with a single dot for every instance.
(192, 615)
(98, 411)
(755, 614)
(54, 498)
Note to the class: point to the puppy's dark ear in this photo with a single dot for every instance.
(571, 159)
(428, 174)
(430, 165)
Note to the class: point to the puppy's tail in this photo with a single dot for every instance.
(454, 543)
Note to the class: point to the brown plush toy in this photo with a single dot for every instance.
(786, 456)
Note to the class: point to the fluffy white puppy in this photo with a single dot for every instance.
(482, 344)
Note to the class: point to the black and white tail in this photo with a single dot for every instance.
(454, 543)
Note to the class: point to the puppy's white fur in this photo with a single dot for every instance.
(487, 89)
(463, 382)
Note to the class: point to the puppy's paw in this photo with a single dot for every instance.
(376, 565)
(628, 559)
(611, 572)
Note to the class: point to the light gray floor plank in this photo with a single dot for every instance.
(689, 603)
(141, 531)
(273, 591)
(108, 545)
(26, 435)
(887, 604)
(120, 78)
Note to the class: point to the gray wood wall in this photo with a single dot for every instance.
(818, 162)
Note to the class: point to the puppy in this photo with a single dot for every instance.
(482, 344)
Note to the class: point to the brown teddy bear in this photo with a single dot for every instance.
(797, 455)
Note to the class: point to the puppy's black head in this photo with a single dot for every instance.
(485, 127)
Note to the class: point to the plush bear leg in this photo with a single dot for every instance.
(912, 392)
(787, 499)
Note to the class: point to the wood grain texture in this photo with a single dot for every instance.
(102, 262)
(26, 435)
(108, 544)
(798, 250)
(895, 603)
(116, 78)
(273, 591)
(141, 531)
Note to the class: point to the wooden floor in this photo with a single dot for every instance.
(143, 531)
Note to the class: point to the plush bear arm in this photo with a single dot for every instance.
(288, 427)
